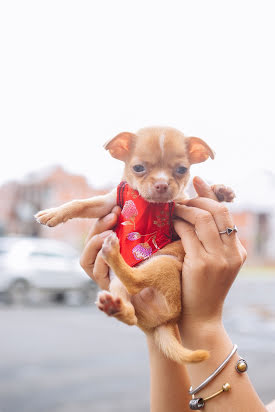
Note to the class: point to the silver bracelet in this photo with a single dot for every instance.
(214, 374)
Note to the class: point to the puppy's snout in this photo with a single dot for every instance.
(161, 187)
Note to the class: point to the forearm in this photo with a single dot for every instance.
(242, 396)
(169, 382)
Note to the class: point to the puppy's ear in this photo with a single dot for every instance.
(198, 150)
(121, 145)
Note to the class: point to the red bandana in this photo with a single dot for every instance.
(143, 227)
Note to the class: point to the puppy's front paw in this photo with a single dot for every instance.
(223, 193)
(110, 247)
(50, 217)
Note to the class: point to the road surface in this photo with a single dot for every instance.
(74, 359)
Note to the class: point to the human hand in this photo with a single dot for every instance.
(211, 264)
(91, 259)
(212, 260)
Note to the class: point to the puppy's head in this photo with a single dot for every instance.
(157, 160)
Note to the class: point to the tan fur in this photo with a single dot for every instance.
(161, 274)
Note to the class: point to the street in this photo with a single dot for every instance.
(75, 359)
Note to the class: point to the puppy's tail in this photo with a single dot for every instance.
(165, 337)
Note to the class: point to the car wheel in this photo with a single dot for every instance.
(19, 292)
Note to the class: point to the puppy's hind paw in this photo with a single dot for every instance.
(108, 303)
(223, 193)
(115, 306)
(110, 247)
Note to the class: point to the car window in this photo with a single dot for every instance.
(52, 249)
(24, 247)
(47, 254)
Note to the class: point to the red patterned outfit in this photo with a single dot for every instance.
(143, 227)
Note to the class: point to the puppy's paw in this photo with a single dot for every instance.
(223, 193)
(110, 247)
(115, 306)
(108, 303)
(50, 217)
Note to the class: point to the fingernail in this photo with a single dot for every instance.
(116, 210)
(108, 218)
(181, 206)
(104, 234)
(199, 181)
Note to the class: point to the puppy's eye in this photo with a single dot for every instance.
(139, 168)
(181, 170)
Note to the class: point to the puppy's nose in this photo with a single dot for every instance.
(161, 187)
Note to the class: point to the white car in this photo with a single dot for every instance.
(34, 264)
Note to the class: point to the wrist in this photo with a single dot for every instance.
(194, 331)
(169, 381)
(210, 336)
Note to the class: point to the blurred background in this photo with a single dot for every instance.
(72, 76)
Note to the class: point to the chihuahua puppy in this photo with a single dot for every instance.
(146, 254)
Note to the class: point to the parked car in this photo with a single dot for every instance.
(31, 265)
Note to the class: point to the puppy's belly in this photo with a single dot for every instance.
(112, 274)
(160, 299)
(152, 308)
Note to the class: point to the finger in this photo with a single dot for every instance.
(189, 239)
(203, 189)
(90, 252)
(101, 272)
(220, 213)
(102, 224)
(242, 249)
(204, 223)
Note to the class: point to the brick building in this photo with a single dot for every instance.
(254, 233)
(20, 201)
(254, 214)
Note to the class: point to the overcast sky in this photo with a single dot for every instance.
(75, 73)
